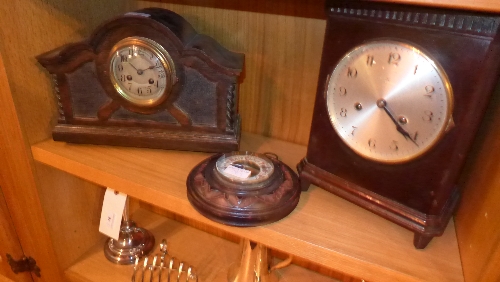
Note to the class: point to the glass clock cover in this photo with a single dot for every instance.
(389, 101)
(142, 71)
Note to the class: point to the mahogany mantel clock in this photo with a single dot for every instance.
(401, 92)
(147, 79)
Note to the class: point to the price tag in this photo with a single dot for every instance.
(111, 213)
(237, 172)
(137, 14)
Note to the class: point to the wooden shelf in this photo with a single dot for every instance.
(210, 255)
(323, 228)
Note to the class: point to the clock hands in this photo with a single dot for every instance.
(139, 71)
(381, 103)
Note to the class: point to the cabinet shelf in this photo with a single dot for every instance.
(323, 228)
(210, 255)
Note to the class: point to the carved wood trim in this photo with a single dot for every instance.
(465, 22)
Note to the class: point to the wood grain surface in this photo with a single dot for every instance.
(478, 217)
(323, 228)
(282, 55)
(283, 42)
(30, 28)
(9, 243)
(313, 8)
(209, 255)
(18, 185)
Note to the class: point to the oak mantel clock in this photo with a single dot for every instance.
(402, 90)
(147, 79)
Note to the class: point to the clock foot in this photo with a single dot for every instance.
(304, 184)
(421, 241)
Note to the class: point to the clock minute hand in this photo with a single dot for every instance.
(381, 103)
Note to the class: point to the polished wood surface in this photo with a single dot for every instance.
(284, 45)
(336, 274)
(422, 193)
(19, 187)
(197, 109)
(313, 8)
(5, 279)
(323, 228)
(28, 29)
(477, 219)
(9, 243)
(210, 255)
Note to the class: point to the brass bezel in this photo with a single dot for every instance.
(162, 55)
(446, 83)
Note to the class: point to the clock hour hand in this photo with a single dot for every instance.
(381, 103)
(139, 72)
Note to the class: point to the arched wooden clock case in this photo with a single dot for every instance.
(197, 111)
(422, 193)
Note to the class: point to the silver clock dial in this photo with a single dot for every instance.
(141, 71)
(389, 101)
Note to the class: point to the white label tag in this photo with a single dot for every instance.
(112, 212)
(237, 172)
(137, 14)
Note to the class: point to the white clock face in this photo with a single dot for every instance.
(141, 71)
(388, 101)
(246, 168)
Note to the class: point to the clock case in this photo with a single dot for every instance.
(422, 194)
(199, 114)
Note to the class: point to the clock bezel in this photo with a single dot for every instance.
(445, 123)
(160, 53)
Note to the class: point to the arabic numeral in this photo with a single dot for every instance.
(429, 89)
(342, 91)
(394, 58)
(428, 115)
(352, 72)
(343, 112)
(372, 143)
(370, 60)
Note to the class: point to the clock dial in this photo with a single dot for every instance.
(245, 167)
(141, 71)
(389, 101)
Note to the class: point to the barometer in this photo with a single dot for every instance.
(243, 188)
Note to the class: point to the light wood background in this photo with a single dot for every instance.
(282, 55)
(282, 41)
(30, 28)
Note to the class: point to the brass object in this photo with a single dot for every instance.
(255, 264)
(23, 265)
(396, 109)
(154, 61)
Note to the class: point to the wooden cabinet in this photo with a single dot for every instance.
(55, 189)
